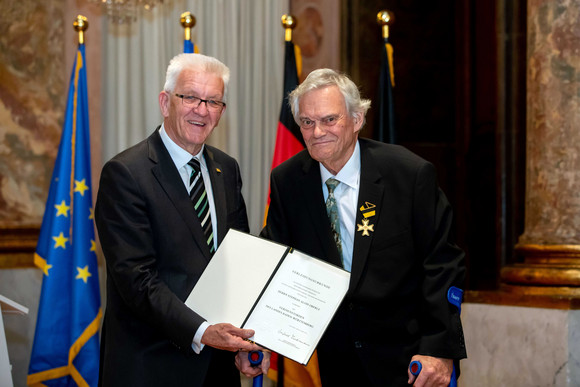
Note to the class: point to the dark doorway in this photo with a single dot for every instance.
(459, 101)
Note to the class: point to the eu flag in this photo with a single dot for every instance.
(66, 341)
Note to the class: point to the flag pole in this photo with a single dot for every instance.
(81, 24)
(386, 119)
(187, 21)
(289, 23)
(385, 18)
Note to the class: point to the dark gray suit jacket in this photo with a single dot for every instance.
(396, 304)
(155, 253)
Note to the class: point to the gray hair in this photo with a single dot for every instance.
(326, 77)
(200, 62)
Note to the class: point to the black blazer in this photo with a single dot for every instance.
(396, 304)
(155, 253)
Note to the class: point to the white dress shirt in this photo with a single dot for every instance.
(180, 158)
(346, 194)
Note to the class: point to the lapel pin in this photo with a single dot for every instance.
(368, 210)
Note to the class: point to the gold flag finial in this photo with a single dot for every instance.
(188, 22)
(289, 23)
(81, 24)
(385, 18)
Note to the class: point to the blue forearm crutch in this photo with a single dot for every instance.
(415, 368)
(455, 297)
(255, 358)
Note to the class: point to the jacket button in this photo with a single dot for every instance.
(351, 306)
(358, 344)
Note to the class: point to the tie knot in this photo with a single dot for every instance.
(194, 163)
(331, 184)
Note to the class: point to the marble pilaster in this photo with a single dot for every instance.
(550, 243)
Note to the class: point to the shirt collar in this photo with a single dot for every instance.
(179, 155)
(349, 174)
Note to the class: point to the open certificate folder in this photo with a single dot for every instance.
(286, 296)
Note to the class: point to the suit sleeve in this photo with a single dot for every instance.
(442, 265)
(127, 238)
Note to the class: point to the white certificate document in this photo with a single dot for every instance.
(286, 296)
(297, 305)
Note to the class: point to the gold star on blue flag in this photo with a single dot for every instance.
(66, 342)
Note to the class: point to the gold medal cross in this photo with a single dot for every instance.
(365, 227)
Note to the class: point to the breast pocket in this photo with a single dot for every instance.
(390, 242)
(390, 259)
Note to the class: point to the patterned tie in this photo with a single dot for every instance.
(332, 211)
(198, 196)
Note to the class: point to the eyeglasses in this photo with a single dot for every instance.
(329, 121)
(194, 102)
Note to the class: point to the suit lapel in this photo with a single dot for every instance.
(168, 177)
(311, 186)
(219, 193)
(370, 193)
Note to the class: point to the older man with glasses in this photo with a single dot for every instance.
(376, 210)
(162, 209)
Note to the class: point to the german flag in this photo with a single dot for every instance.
(288, 137)
(289, 141)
